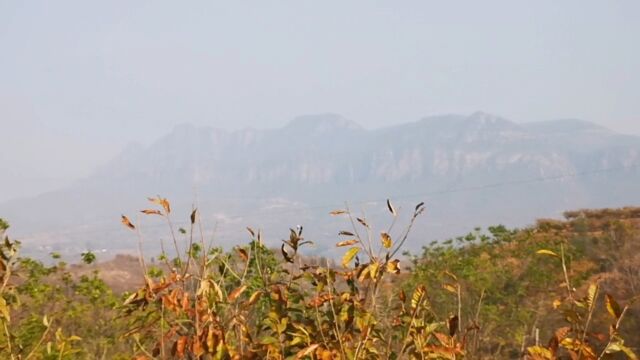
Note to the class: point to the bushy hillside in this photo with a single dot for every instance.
(556, 290)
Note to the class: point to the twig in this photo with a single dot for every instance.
(604, 351)
(586, 325)
(406, 233)
(33, 351)
(6, 330)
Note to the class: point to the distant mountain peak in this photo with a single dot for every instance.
(487, 118)
(322, 123)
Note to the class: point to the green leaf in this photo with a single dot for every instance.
(618, 347)
(268, 340)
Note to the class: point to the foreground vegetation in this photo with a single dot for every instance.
(556, 290)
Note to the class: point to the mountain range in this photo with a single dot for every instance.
(471, 170)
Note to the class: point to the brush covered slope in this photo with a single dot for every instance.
(555, 290)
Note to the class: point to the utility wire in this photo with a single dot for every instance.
(423, 196)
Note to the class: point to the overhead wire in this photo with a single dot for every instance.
(422, 196)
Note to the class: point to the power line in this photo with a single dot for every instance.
(423, 196)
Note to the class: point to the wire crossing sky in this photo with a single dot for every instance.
(80, 80)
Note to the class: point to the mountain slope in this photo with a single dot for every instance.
(469, 169)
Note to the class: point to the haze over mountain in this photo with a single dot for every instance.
(470, 169)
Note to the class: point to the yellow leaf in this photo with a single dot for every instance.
(374, 270)
(4, 310)
(591, 295)
(349, 255)
(347, 242)
(386, 240)
(127, 223)
(306, 351)
(612, 306)
(450, 288)
(165, 205)
(392, 266)
(546, 252)
(364, 273)
(217, 289)
(254, 298)
(417, 297)
(539, 352)
(337, 212)
(162, 202)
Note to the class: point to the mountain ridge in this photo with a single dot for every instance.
(325, 158)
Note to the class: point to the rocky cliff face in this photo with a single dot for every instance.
(474, 169)
(330, 150)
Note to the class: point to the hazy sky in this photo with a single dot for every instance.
(80, 79)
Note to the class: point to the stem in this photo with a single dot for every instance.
(142, 348)
(355, 230)
(566, 274)
(335, 316)
(173, 236)
(459, 309)
(33, 351)
(189, 252)
(406, 234)
(586, 325)
(617, 327)
(162, 329)
(143, 265)
(6, 276)
(413, 318)
(61, 351)
(6, 331)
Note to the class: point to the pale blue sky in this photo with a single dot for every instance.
(81, 79)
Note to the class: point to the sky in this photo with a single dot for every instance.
(79, 80)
